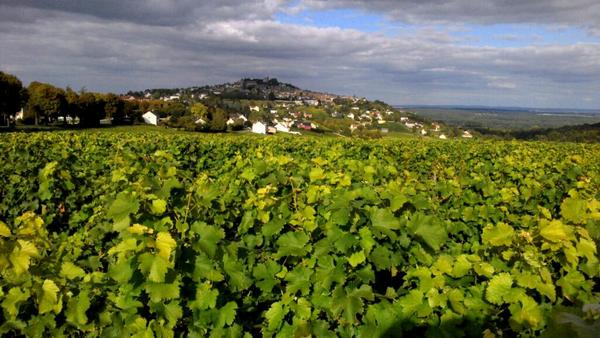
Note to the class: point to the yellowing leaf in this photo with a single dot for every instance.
(128, 244)
(28, 248)
(587, 248)
(29, 223)
(356, 258)
(158, 207)
(555, 231)
(484, 269)
(499, 288)
(4, 230)
(527, 313)
(139, 229)
(49, 299)
(501, 234)
(316, 174)
(165, 244)
(13, 299)
(71, 271)
(461, 267)
(443, 264)
(574, 210)
(21, 256)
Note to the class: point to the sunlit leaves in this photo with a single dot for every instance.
(226, 237)
(4, 230)
(499, 235)
(574, 210)
(275, 315)
(13, 299)
(21, 256)
(498, 289)
(71, 271)
(356, 258)
(49, 300)
(121, 208)
(165, 244)
(555, 231)
(158, 207)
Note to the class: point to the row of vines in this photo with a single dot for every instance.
(117, 234)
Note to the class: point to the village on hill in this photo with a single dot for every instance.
(267, 106)
(260, 106)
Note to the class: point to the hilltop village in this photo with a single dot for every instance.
(267, 106)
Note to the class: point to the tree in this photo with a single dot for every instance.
(91, 109)
(12, 96)
(218, 121)
(73, 108)
(114, 108)
(45, 103)
(132, 111)
(199, 110)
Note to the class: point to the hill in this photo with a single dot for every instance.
(275, 103)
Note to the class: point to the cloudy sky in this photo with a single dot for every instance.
(535, 53)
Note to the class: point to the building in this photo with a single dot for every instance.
(281, 128)
(150, 118)
(259, 128)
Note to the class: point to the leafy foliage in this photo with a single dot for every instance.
(115, 234)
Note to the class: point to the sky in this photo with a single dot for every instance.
(534, 53)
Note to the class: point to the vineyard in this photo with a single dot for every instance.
(118, 234)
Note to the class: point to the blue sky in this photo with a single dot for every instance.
(535, 53)
(495, 35)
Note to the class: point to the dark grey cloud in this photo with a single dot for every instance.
(157, 12)
(153, 45)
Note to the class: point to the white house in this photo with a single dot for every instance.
(259, 128)
(443, 137)
(150, 118)
(200, 121)
(467, 134)
(255, 108)
(423, 132)
(230, 121)
(281, 128)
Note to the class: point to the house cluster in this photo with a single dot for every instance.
(277, 127)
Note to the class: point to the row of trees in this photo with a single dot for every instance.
(44, 103)
(12, 96)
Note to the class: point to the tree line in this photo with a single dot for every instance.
(45, 104)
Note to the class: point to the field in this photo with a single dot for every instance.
(507, 119)
(139, 233)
